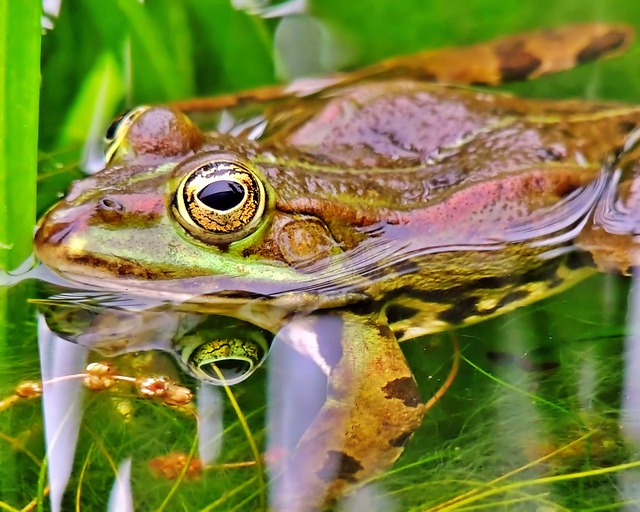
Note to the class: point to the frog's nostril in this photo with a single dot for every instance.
(107, 203)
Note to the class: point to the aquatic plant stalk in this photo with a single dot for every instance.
(20, 35)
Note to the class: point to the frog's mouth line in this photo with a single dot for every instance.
(214, 294)
(60, 244)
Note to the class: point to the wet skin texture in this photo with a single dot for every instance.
(374, 210)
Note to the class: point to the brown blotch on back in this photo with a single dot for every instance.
(625, 126)
(511, 297)
(601, 45)
(399, 442)
(398, 312)
(339, 465)
(566, 188)
(462, 309)
(579, 259)
(399, 333)
(404, 389)
(515, 62)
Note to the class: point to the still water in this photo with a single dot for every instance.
(542, 411)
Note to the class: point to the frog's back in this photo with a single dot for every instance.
(397, 124)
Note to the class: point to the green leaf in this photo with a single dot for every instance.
(152, 53)
(99, 95)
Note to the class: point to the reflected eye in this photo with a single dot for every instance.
(226, 361)
(220, 201)
(118, 130)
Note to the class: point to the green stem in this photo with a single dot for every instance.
(20, 34)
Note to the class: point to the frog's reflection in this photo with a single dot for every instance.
(216, 349)
(212, 348)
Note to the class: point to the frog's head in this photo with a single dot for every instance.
(175, 205)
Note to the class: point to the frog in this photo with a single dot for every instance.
(347, 215)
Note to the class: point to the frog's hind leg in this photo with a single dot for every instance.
(372, 407)
(519, 57)
(512, 58)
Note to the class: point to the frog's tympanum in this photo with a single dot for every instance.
(344, 219)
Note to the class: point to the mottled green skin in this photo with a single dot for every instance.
(393, 207)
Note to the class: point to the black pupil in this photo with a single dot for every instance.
(229, 368)
(222, 195)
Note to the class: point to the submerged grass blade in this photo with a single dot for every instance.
(468, 496)
(228, 495)
(82, 475)
(9, 508)
(541, 481)
(535, 398)
(252, 442)
(176, 485)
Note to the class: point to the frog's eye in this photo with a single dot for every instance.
(226, 361)
(220, 202)
(118, 129)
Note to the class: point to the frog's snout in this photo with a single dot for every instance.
(57, 233)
